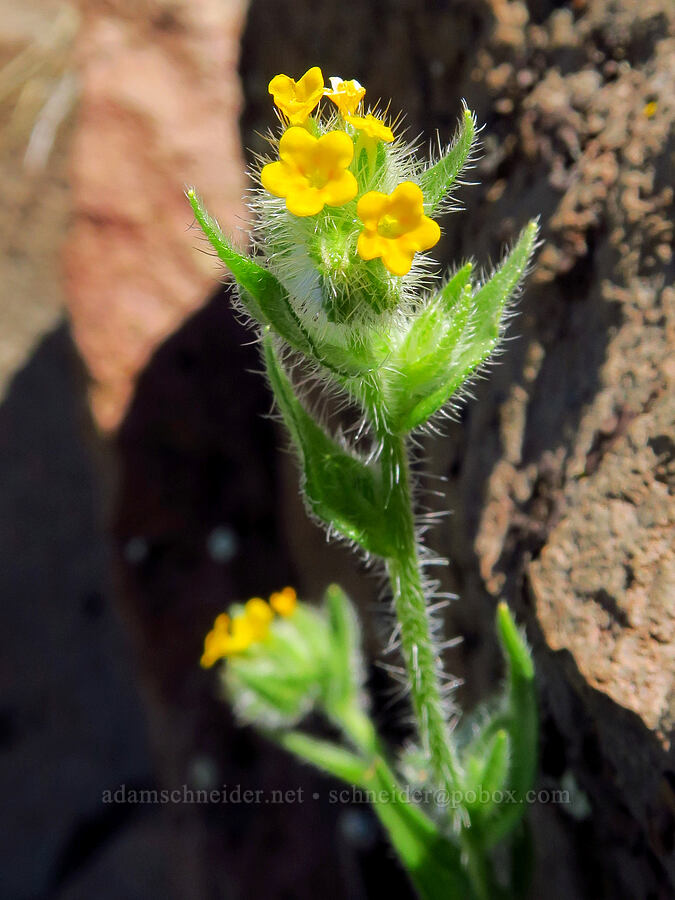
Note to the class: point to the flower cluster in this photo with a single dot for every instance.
(248, 625)
(317, 170)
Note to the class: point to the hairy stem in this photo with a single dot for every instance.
(421, 657)
(420, 654)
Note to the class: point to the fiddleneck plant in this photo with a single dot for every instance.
(340, 289)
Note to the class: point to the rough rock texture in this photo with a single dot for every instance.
(158, 111)
(35, 69)
(577, 515)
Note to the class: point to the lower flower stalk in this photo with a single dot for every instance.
(420, 655)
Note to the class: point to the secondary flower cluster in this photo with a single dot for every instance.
(231, 635)
(317, 171)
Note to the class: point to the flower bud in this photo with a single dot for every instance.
(285, 657)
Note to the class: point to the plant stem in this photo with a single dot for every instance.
(421, 657)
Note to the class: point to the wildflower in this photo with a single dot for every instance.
(650, 108)
(218, 641)
(395, 227)
(372, 127)
(231, 636)
(346, 95)
(257, 615)
(297, 99)
(284, 602)
(311, 172)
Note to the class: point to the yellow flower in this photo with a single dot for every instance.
(346, 95)
(296, 99)
(311, 172)
(372, 127)
(283, 602)
(650, 108)
(231, 636)
(217, 641)
(395, 227)
(258, 616)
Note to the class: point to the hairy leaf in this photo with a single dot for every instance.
(343, 491)
(429, 327)
(520, 720)
(347, 673)
(425, 385)
(268, 302)
(431, 859)
(438, 180)
(329, 757)
(486, 773)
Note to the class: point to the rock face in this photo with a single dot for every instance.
(158, 111)
(577, 519)
(36, 87)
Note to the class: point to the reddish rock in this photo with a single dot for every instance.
(159, 110)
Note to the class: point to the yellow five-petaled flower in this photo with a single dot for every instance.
(230, 636)
(311, 172)
(372, 127)
(297, 99)
(346, 95)
(284, 602)
(395, 227)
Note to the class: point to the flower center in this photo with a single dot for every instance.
(391, 227)
(317, 178)
(317, 170)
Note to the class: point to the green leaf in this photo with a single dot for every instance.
(426, 385)
(328, 757)
(523, 858)
(515, 649)
(486, 774)
(520, 719)
(347, 676)
(268, 301)
(263, 294)
(344, 492)
(431, 325)
(491, 298)
(438, 180)
(432, 861)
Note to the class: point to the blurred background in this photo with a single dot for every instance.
(143, 487)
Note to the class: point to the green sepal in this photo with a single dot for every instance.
(261, 696)
(520, 719)
(438, 180)
(422, 387)
(340, 489)
(267, 301)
